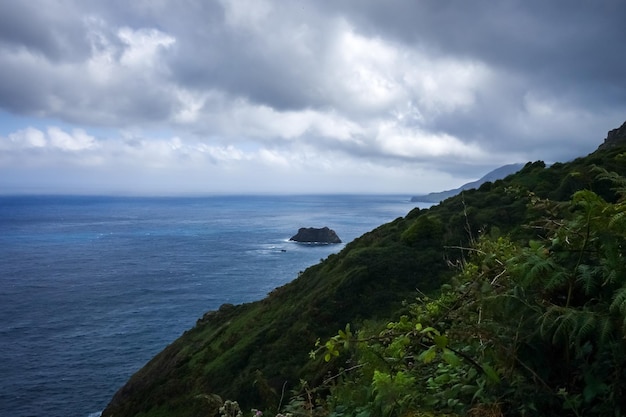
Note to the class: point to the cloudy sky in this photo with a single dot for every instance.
(302, 96)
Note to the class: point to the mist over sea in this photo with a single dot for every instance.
(91, 288)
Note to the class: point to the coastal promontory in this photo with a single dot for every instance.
(549, 256)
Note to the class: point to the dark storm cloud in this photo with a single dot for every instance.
(53, 31)
(578, 40)
(441, 86)
(246, 61)
(572, 51)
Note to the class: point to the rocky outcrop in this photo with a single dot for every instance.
(615, 137)
(314, 235)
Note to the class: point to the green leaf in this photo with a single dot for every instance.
(442, 379)
(441, 341)
(491, 374)
(428, 355)
(450, 357)
(430, 330)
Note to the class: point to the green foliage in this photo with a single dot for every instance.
(420, 365)
(521, 310)
(536, 328)
(425, 231)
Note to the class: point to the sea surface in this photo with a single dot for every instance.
(91, 288)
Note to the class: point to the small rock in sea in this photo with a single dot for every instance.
(315, 235)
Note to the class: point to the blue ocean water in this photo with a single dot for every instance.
(92, 287)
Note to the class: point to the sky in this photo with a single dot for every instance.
(171, 97)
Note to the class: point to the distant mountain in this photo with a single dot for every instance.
(496, 174)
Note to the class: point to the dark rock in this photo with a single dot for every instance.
(615, 137)
(217, 315)
(314, 235)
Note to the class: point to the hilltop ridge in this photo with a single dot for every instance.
(496, 174)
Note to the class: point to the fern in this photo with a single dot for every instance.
(537, 265)
(557, 280)
(618, 305)
(587, 325)
(547, 321)
(619, 182)
(619, 219)
(565, 327)
(586, 278)
(605, 330)
(563, 324)
(612, 265)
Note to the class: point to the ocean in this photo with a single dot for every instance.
(91, 288)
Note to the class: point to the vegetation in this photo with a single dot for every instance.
(516, 306)
(536, 329)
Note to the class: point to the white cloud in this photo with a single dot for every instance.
(274, 159)
(190, 104)
(78, 140)
(142, 47)
(443, 85)
(375, 75)
(415, 143)
(155, 162)
(101, 64)
(365, 70)
(240, 120)
(53, 138)
(26, 138)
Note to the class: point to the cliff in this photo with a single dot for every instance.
(615, 137)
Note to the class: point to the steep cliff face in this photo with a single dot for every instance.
(254, 353)
(615, 137)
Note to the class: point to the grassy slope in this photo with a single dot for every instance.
(224, 351)
(248, 352)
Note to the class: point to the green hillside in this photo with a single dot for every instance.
(499, 300)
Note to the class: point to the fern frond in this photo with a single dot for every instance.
(587, 324)
(586, 278)
(554, 323)
(605, 329)
(618, 305)
(618, 219)
(565, 328)
(557, 280)
(609, 273)
(537, 268)
(619, 182)
(547, 321)
(563, 324)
